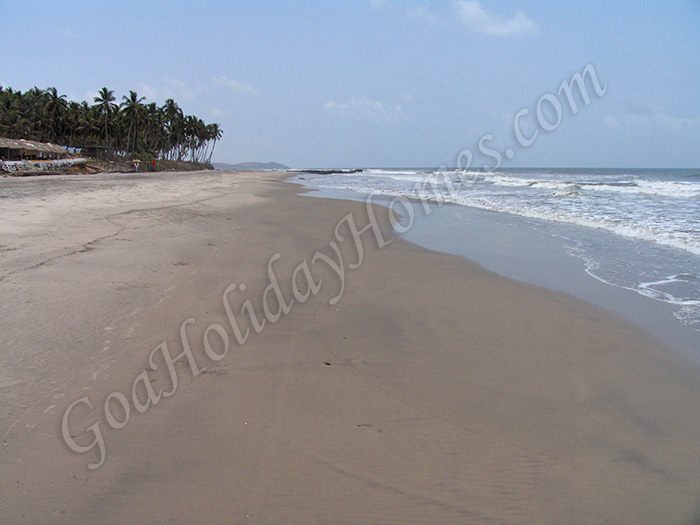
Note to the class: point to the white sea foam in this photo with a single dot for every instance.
(642, 229)
(655, 215)
(674, 189)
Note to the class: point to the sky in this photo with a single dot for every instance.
(387, 83)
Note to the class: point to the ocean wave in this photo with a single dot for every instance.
(381, 172)
(655, 290)
(581, 202)
(687, 308)
(680, 239)
(675, 189)
(620, 217)
(676, 239)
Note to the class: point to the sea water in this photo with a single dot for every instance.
(633, 229)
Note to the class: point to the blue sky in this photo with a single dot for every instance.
(384, 83)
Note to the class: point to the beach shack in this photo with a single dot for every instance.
(21, 149)
(97, 152)
(26, 156)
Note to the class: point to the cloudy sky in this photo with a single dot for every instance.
(386, 83)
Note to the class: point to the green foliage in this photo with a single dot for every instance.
(132, 126)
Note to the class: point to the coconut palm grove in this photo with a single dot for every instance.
(126, 128)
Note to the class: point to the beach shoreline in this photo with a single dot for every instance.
(411, 386)
(526, 250)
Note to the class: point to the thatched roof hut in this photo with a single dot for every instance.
(20, 149)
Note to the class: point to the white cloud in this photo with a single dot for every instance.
(218, 113)
(673, 123)
(469, 13)
(365, 107)
(149, 92)
(168, 88)
(406, 98)
(655, 119)
(478, 19)
(422, 14)
(90, 96)
(636, 121)
(235, 85)
(611, 122)
(382, 5)
(419, 13)
(179, 88)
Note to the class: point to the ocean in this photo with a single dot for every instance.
(632, 229)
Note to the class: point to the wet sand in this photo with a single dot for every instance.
(431, 390)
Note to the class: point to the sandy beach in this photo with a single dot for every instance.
(327, 375)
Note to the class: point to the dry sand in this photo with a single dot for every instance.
(433, 391)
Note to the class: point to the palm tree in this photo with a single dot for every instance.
(72, 123)
(215, 133)
(134, 126)
(132, 110)
(106, 106)
(34, 110)
(174, 123)
(14, 125)
(155, 129)
(55, 110)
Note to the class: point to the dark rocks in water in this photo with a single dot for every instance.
(252, 166)
(329, 172)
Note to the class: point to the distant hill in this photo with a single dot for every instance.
(250, 166)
